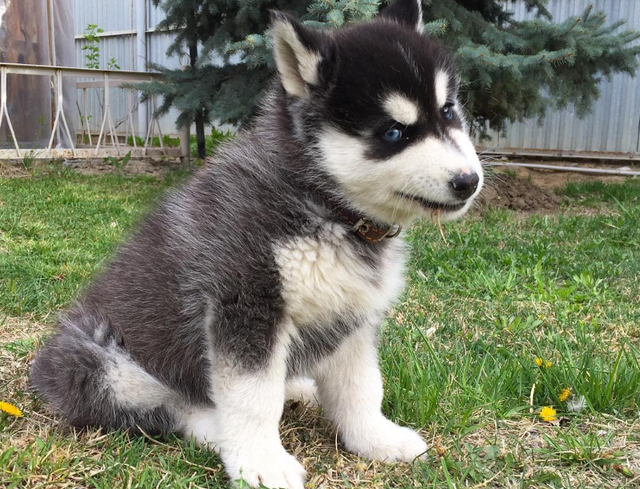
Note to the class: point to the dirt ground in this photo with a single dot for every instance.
(97, 166)
(505, 191)
(133, 167)
(531, 191)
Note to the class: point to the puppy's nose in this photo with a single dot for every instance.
(464, 185)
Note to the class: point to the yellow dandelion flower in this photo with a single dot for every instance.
(543, 363)
(564, 394)
(10, 409)
(548, 414)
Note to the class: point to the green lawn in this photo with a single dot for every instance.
(459, 352)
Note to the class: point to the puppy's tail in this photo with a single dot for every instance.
(86, 375)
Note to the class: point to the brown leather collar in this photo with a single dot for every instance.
(366, 229)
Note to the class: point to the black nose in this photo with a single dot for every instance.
(464, 185)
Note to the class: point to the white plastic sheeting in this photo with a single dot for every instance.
(65, 55)
(36, 32)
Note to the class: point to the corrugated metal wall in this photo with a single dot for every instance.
(614, 123)
(113, 16)
(118, 20)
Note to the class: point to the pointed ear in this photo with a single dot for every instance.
(405, 12)
(299, 53)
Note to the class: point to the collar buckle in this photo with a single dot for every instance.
(372, 234)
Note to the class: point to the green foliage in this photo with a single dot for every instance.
(212, 142)
(27, 160)
(92, 46)
(509, 70)
(518, 70)
(167, 141)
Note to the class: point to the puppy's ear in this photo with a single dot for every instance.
(302, 54)
(405, 12)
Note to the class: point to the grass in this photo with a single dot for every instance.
(212, 141)
(458, 353)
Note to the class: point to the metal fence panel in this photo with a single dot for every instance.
(154, 15)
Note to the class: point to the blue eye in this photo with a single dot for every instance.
(447, 111)
(393, 134)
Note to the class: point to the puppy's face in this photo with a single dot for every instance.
(381, 102)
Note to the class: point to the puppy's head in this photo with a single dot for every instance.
(378, 101)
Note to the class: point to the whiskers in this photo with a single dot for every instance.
(400, 203)
(492, 177)
(411, 189)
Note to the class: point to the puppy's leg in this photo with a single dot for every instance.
(302, 389)
(244, 428)
(199, 423)
(350, 392)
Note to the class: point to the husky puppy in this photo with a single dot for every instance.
(278, 261)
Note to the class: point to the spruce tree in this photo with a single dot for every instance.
(510, 70)
(191, 22)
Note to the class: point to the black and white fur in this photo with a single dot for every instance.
(246, 285)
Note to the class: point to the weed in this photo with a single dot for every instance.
(28, 160)
(92, 46)
(112, 64)
(119, 163)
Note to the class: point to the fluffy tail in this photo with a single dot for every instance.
(85, 374)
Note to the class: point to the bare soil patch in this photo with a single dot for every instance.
(532, 191)
(97, 166)
(134, 167)
(505, 191)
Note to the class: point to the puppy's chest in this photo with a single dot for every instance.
(325, 279)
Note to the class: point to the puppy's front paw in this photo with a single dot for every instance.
(273, 468)
(388, 442)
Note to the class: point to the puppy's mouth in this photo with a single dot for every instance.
(433, 206)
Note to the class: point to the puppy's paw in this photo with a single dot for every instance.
(273, 468)
(388, 442)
